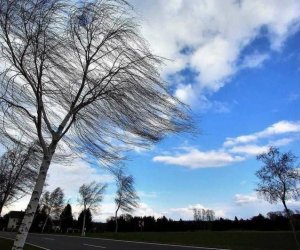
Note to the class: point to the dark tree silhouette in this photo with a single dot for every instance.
(66, 218)
(85, 219)
(18, 173)
(126, 196)
(279, 180)
(79, 73)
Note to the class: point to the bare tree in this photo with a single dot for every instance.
(279, 180)
(201, 214)
(53, 204)
(18, 173)
(78, 73)
(90, 195)
(126, 196)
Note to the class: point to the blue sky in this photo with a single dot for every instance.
(237, 64)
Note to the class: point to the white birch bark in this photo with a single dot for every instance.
(83, 223)
(116, 219)
(33, 203)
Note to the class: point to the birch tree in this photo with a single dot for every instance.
(126, 196)
(90, 195)
(18, 173)
(53, 204)
(78, 75)
(279, 180)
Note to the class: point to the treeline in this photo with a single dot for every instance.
(274, 221)
(67, 223)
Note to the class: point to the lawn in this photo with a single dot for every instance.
(6, 244)
(235, 240)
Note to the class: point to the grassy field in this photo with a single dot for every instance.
(6, 244)
(235, 240)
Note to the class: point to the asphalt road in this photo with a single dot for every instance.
(62, 242)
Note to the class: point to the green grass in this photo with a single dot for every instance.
(6, 244)
(235, 240)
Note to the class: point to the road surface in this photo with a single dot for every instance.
(63, 242)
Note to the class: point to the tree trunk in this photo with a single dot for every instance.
(45, 223)
(291, 224)
(4, 200)
(116, 219)
(1, 207)
(33, 203)
(83, 224)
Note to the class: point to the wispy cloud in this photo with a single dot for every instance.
(235, 149)
(255, 60)
(279, 128)
(242, 199)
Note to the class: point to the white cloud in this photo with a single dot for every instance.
(195, 158)
(279, 128)
(241, 199)
(70, 177)
(255, 60)
(186, 213)
(249, 149)
(143, 194)
(234, 149)
(187, 94)
(19, 205)
(209, 36)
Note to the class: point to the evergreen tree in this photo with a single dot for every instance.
(88, 219)
(39, 218)
(66, 218)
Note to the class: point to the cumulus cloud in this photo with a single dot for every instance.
(195, 158)
(209, 36)
(235, 149)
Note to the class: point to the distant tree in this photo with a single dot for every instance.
(66, 218)
(18, 173)
(201, 214)
(85, 217)
(126, 196)
(53, 204)
(210, 215)
(279, 180)
(90, 195)
(197, 214)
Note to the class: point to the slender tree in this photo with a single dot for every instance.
(279, 180)
(87, 217)
(79, 74)
(126, 196)
(90, 195)
(18, 173)
(53, 203)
